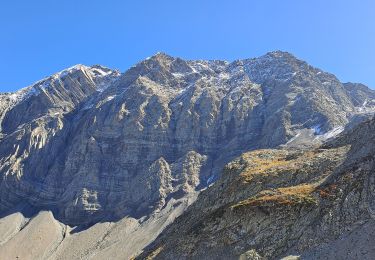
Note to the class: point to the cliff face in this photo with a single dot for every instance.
(93, 145)
(316, 204)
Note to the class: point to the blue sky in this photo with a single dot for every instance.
(41, 37)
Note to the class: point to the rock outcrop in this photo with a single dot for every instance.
(279, 203)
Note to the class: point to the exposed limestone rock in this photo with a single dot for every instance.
(94, 146)
(250, 255)
(296, 204)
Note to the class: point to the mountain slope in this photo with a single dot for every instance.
(94, 146)
(275, 203)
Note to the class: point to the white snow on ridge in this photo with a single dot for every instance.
(334, 132)
(94, 72)
(69, 70)
(309, 136)
(330, 134)
(365, 107)
(101, 75)
(21, 94)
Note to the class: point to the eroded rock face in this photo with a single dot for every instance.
(316, 203)
(360, 95)
(91, 144)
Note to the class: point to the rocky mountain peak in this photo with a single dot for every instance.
(99, 75)
(94, 146)
(160, 56)
(278, 54)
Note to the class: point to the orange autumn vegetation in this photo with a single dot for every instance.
(263, 161)
(154, 253)
(300, 194)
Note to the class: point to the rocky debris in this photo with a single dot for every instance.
(103, 240)
(39, 239)
(250, 255)
(356, 244)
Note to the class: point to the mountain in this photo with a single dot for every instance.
(269, 204)
(103, 158)
(360, 95)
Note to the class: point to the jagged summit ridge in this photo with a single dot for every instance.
(97, 74)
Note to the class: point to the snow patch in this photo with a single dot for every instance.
(334, 132)
(178, 75)
(365, 107)
(210, 180)
(109, 98)
(293, 138)
(317, 129)
(22, 94)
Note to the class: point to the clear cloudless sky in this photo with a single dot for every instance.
(41, 37)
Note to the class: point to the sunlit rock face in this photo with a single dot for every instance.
(315, 203)
(92, 144)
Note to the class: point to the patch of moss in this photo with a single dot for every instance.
(266, 161)
(289, 196)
